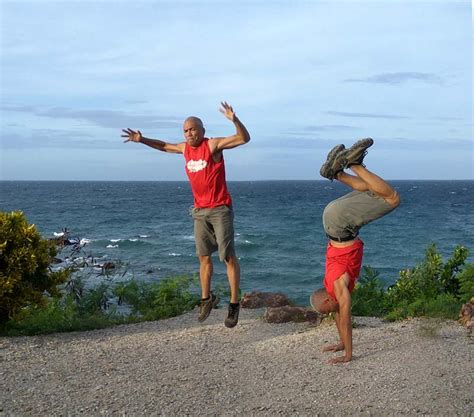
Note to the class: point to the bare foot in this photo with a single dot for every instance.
(334, 348)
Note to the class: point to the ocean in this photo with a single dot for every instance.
(279, 236)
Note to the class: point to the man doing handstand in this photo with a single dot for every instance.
(370, 199)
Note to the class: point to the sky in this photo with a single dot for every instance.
(302, 76)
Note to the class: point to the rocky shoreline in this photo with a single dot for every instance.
(179, 367)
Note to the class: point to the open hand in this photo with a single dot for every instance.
(227, 110)
(132, 135)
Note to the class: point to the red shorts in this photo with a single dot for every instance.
(342, 260)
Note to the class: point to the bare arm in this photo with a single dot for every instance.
(136, 136)
(241, 136)
(344, 319)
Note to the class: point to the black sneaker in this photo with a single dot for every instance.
(206, 306)
(356, 153)
(334, 163)
(233, 315)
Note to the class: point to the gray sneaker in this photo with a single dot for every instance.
(356, 153)
(334, 163)
(206, 306)
(233, 315)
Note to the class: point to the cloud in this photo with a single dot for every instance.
(284, 143)
(395, 78)
(310, 130)
(56, 138)
(366, 115)
(102, 118)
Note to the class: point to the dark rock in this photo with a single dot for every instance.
(108, 265)
(287, 313)
(258, 299)
(466, 315)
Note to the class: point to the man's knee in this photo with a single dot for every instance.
(231, 261)
(393, 199)
(205, 259)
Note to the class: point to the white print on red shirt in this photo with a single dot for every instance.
(196, 166)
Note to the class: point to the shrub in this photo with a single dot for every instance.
(368, 295)
(442, 306)
(25, 257)
(153, 301)
(432, 288)
(59, 315)
(429, 279)
(466, 283)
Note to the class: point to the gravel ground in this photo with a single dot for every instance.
(179, 367)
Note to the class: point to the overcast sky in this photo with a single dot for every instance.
(302, 76)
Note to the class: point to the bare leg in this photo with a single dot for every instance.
(352, 181)
(377, 185)
(233, 274)
(206, 269)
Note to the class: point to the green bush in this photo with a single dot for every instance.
(441, 306)
(25, 257)
(59, 315)
(432, 288)
(153, 301)
(429, 279)
(466, 283)
(368, 295)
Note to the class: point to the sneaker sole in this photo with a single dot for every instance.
(355, 151)
(326, 170)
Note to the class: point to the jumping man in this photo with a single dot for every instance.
(212, 212)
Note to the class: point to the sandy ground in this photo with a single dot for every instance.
(179, 367)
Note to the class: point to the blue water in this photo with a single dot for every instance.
(279, 235)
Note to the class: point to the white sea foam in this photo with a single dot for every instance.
(115, 240)
(132, 240)
(112, 246)
(174, 254)
(84, 241)
(143, 236)
(58, 234)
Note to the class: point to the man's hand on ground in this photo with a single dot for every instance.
(334, 348)
(339, 359)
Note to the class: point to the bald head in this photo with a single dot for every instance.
(195, 121)
(322, 302)
(193, 130)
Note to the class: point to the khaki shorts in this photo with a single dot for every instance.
(214, 230)
(343, 217)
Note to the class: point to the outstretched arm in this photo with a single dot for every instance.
(344, 319)
(136, 136)
(241, 136)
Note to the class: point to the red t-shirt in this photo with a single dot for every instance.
(340, 260)
(207, 177)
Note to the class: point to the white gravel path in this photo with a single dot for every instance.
(179, 367)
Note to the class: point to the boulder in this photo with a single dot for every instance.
(258, 299)
(466, 316)
(287, 313)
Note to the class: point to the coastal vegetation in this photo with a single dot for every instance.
(25, 257)
(433, 288)
(36, 298)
